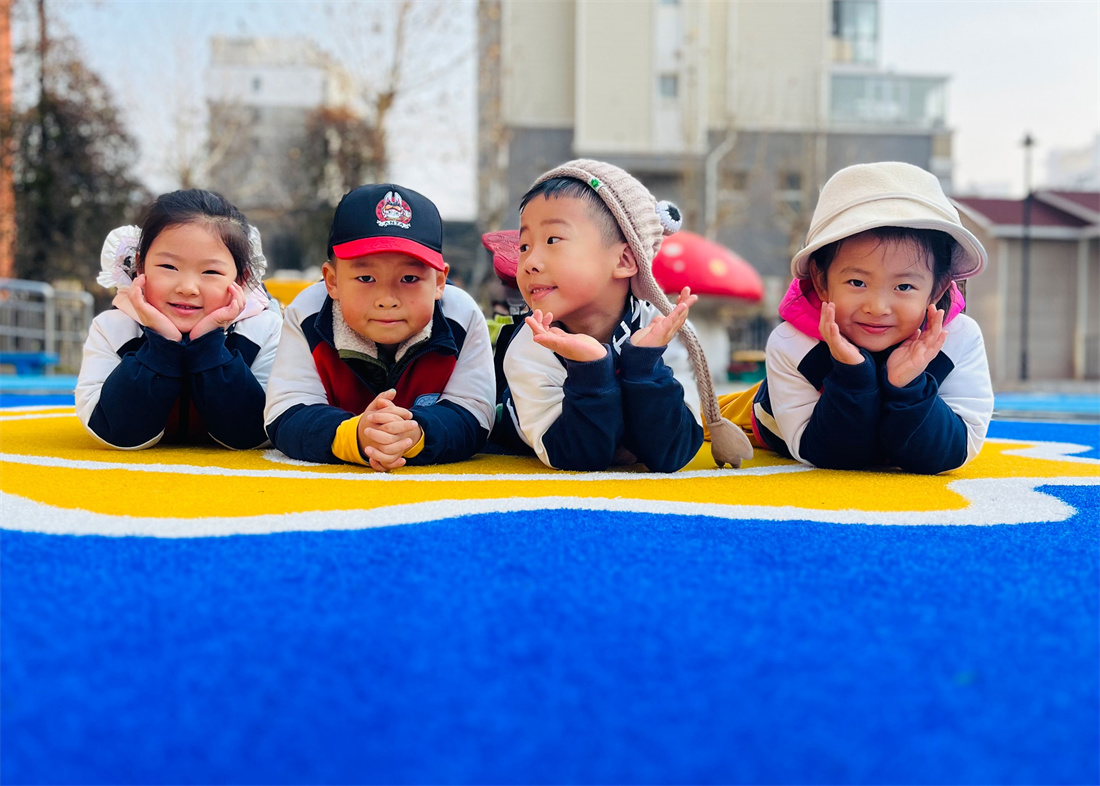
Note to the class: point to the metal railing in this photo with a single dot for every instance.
(42, 326)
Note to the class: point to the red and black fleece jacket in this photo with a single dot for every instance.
(445, 380)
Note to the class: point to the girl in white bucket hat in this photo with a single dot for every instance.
(875, 364)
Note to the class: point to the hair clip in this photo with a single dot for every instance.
(257, 263)
(118, 259)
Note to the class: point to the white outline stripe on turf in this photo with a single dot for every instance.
(30, 413)
(1054, 451)
(366, 474)
(992, 501)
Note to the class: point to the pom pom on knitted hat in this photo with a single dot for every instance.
(671, 219)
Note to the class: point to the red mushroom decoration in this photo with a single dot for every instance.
(690, 260)
(505, 247)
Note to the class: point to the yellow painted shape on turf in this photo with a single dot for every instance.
(168, 493)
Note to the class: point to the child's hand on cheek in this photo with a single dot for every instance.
(842, 350)
(661, 330)
(222, 317)
(577, 347)
(148, 315)
(912, 357)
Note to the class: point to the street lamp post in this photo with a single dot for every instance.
(1025, 257)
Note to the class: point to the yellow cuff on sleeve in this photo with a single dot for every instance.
(414, 451)
(345, 446)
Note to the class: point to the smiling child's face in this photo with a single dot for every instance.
(881, 290)
(566, 267)
(386, 297)
(188, 270)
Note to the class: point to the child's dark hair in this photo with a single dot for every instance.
(939, 246)
(577, 189)
(195, 206)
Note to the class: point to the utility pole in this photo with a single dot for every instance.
(1025, 257)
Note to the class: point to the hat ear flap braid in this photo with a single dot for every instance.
(729, 445)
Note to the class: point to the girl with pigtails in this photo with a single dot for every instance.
(184, 353)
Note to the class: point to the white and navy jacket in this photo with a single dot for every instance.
(839, 416)
(137, 387)
(325, 375)
(581, 416)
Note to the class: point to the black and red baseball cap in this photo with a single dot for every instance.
(382, 217)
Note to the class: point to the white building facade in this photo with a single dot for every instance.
(738, 111)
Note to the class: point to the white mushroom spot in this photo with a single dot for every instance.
(672, 249)
(717, 267)
(679, 266)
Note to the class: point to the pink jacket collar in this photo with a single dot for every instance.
(802, 307)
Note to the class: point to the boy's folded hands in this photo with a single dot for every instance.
(386, 431)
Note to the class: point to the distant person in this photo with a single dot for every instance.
(876, 365)
(606, 370)
(383, 363)
(184, 353)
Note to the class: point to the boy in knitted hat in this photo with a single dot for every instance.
(875, 364)
(601, 373)
(382, 363)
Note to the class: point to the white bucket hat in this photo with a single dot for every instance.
(887, 194)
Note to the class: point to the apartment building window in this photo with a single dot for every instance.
(855, 26)
(790, 181)
(669, 85)
(733, 180)
(789, 188)
(257, 83)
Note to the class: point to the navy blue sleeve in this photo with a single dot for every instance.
(590, 426)
(305, 432)
(139, 394)
(225, 392)
(842, 432)
(918, 432)
(658, 426)
(451, 433)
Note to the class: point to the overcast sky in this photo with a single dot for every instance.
(1014, 66)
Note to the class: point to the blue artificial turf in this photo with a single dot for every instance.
(35, 399)
(1048, 403)
(557, 647)
(1074, 433)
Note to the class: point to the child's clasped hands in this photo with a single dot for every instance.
(386, 432)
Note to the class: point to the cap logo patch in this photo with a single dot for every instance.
(393, 211)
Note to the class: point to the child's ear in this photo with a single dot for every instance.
(328, 272)
(627, 266)
(939, 292)
(819, 281)
(441, 280)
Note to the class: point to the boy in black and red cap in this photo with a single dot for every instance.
(382, 363)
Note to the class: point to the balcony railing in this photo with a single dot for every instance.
(879, 99)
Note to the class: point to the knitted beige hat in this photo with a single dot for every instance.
(887, 194)
(644, 223)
